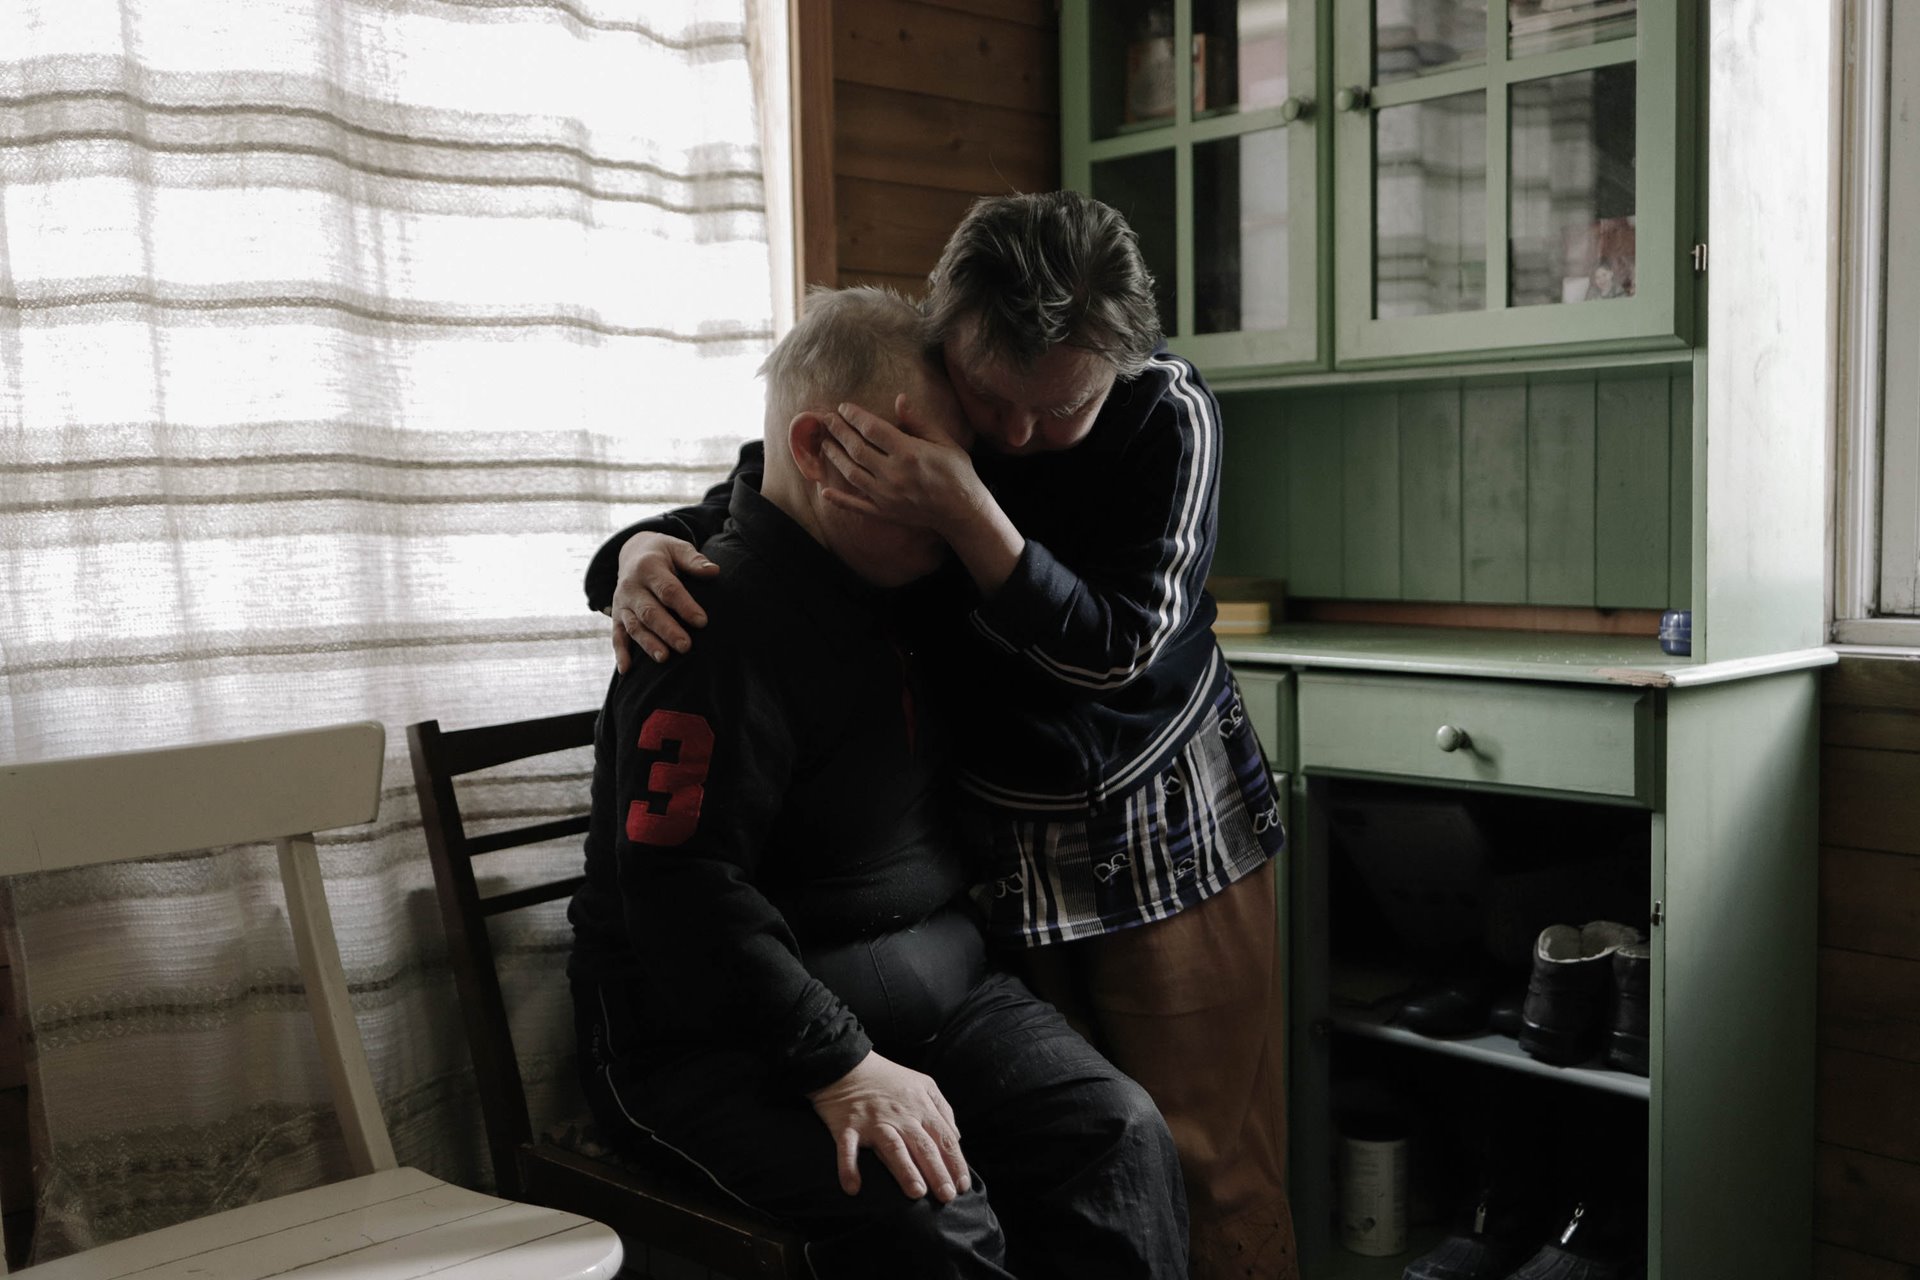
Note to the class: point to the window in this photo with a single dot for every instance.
(1877, 472)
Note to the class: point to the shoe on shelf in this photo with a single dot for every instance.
(1466, 1255)
(1455, 1006)
(1572, 1257)
(1627, 1025)
(1564, 1017)
(1504, 1014)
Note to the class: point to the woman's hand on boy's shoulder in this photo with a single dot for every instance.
(652, 608)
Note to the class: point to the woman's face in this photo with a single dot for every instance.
(1043, 409)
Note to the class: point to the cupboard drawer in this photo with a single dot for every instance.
(1590, 741)
(1268, 696)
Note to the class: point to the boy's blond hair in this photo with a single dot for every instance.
(861, 344)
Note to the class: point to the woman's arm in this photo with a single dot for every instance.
(1098, 625)
(635, 576)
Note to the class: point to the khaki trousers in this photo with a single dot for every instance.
(1191, 1007)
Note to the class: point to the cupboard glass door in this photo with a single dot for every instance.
(1508, 177)
(1214, 158)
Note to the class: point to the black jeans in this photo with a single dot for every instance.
(1074, 1173)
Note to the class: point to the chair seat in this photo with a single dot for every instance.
(396, 1224)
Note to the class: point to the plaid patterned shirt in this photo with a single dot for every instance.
(1211, 817)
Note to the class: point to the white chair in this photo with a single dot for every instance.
(386, 1221)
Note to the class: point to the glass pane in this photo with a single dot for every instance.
(1239, 55)
(1131, 66)
(1430, 207)
(1541, 26)
(1240, 256)
(1572, 209)
(1141, 188)
(1416, 37)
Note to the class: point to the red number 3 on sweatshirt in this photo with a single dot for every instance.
(682, 781)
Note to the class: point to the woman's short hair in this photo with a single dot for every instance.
(1034, 271)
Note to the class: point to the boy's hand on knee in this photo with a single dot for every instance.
(901, 1115)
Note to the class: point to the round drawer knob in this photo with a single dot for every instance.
(1296, 108)
(1451, 739)
(1351, 98)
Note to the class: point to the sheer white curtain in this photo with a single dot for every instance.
(334, 336)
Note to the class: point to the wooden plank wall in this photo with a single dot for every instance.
(1867, 1177)
(935, 102)
(1555, 491)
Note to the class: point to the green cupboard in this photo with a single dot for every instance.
(1363, 185)
(1445, 263)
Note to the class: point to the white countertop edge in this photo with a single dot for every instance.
(1767, 664)
(1676, 677)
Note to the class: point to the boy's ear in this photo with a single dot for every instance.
(805, 436)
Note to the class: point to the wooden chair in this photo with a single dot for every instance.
(386, 1220)
(649, 1209)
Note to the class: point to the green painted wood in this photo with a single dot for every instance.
(1560, 657)
(1315, 484)
(1533, 737)
(1430, 489)
(1734, 1048)
(1701, 599)
(1370, 495)
(1560, 480)
(1680, 493)
(1076, 120)
(1253, 487)
(1268, 696)
(1498, 210)
(1493, 503)
(1632, 500)
(1656, 1017)
(1568, 490)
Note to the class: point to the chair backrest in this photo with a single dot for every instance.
(438, 758)
(282, 787)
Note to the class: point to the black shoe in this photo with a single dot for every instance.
(1475, 1255)
(1573, 1257)
(1627, 1026)
(1459, 1258)
(1455, 1007)
(1567, 997)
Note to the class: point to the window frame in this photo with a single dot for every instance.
(1864, 528)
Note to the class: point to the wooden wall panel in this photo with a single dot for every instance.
(893, 229)
(1430, 534)
(923, 48)
(1035, 13)
(1314, 481)
(934, 103)
(1631, 502)
(1560, 497)
(1370, 494)
(1555, 492)
(1867, 1176)
(1493, 502)
(916, 140)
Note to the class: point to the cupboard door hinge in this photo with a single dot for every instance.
(1659, 914)
(1700, 258)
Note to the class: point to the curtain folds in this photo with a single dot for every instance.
(334, 336)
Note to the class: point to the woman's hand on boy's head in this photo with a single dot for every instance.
(915, 473)
(649, 602)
